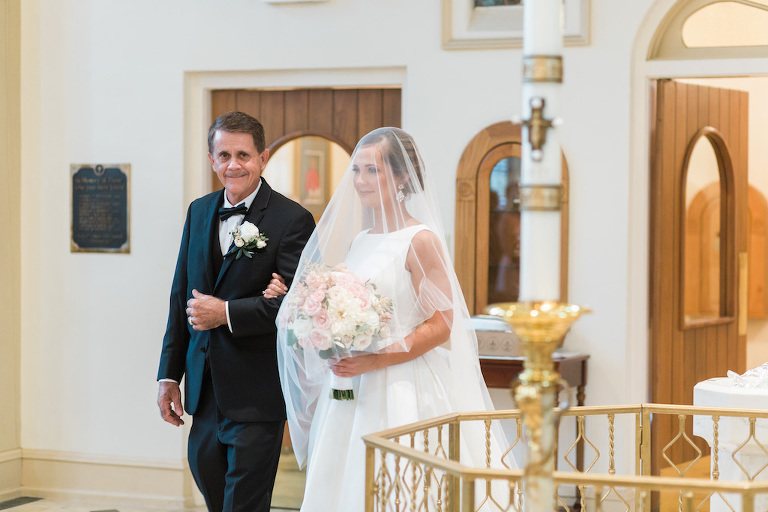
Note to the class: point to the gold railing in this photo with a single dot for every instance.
(425, 466)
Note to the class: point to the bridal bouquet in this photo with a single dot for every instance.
(333, 312)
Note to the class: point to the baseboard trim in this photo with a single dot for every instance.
(104, 460)
(129, 481)
(10, 474)
(10, 455)
(10, 495)
(111, 499)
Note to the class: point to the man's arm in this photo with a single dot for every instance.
(176, 339)
(256, 315)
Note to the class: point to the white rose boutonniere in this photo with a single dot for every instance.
(247, 238)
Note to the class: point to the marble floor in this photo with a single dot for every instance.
(43, 505)
(286, 497)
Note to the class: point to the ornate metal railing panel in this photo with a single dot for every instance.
(425, 466)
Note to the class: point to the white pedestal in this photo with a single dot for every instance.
(722, 392)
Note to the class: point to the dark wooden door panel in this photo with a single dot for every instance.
(680, 354)
(341, 115)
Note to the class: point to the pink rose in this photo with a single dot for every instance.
(320, 339)
(311, 306)
(315, 280)
(337, 293)
(321, 320)
(319, 295)
(363, 295)
(344, 280)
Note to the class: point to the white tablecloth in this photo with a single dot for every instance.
(723, 392)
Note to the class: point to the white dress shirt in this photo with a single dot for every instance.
(225, 232)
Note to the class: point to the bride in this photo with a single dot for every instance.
(383, 223)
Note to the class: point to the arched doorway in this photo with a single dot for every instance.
(665, 58)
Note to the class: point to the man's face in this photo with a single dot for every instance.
(237, 163)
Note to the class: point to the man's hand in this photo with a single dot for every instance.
(205, 312)
(169, 402)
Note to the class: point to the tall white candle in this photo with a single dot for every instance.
(540, 230)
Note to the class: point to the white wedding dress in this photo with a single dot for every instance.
(386, 398)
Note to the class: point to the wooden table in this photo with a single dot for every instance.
(501, 371)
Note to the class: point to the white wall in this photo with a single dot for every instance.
(104, 81)
(10, 251)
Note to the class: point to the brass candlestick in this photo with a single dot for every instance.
(541, 327)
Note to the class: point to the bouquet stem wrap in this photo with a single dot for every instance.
(341, 388)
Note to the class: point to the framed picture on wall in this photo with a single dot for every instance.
(499, 23)
(313, 157)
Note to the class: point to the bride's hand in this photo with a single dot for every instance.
(358, 365)
(276, 287)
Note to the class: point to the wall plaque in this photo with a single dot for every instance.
(100, 208)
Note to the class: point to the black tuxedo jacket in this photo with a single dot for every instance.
(243, 363)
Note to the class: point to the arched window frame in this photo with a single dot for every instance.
(472, 210)
(727, 228)
(667, 43)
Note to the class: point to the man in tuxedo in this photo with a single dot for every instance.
(221, 329)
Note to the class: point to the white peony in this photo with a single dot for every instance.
(302, 326)
(370, 318)
(362, 342)
(248, 231)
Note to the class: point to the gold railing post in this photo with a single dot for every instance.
(454, 453)
(468, 495)
(370, 468)
(748, 501)
(541, 327)
(645, 445)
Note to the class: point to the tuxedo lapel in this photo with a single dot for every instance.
(254, 216)
(212, 220)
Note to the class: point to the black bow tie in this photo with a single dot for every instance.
(225, 213)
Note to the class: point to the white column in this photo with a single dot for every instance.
(540, 230)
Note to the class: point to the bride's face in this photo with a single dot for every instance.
(372, 177)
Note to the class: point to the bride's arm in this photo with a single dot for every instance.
(433, 288)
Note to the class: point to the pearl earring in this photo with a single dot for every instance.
(400, 196)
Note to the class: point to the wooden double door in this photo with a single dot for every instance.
(687, 347)
(340, 115)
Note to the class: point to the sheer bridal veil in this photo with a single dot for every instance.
(384, 189)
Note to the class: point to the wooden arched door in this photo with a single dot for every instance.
(483, 227)
(687, 347)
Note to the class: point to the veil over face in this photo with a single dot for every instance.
(384, 190)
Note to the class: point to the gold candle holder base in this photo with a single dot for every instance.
(541, 327)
